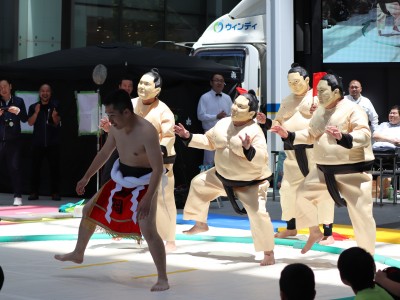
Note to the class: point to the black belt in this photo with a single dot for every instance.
(330, 172)
(230, 184)
(169, 159)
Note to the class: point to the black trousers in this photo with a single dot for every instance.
(10, 156)
(52, 155)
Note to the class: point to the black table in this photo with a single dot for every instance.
(392, 156)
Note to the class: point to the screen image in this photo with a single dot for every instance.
(360, 31)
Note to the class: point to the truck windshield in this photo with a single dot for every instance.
(229, 57)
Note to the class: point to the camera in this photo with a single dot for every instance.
(9, 122)
(5, 108)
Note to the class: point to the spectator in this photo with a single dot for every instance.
(213, 106)
(46, 121)
(387, 134)
(1, 277)
(389, 279)
(126, 84)
(357, 270)
(355, 90)
(12, 113)
(297, 282)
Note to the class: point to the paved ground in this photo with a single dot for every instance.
(386, 216)
(220, 262)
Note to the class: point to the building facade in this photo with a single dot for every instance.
(33, 27)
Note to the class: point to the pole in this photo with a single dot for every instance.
(98, 135)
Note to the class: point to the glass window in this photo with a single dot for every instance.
(233, 58)
(140, 28)
(142, 22)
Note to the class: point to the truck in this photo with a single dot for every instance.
(258, 37)
(239, 43)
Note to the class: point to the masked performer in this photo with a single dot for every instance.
(148, 106)
(241, 167)
(125, 205)
(295, 114)
(341, 136)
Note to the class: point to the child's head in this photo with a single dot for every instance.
(357, 268)
(1, 278)
(297, 281)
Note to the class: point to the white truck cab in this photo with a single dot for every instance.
(240, 43)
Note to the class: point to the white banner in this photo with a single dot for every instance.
(88, 113)
(29, 98)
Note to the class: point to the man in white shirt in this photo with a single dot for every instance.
(355, 90)
(387, 135)
(213, 106)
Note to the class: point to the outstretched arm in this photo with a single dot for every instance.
(97, 163)
(282, 132)
(181, 131)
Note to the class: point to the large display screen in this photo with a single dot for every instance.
(360, 31)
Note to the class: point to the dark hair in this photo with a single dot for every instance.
(297, 282)
(119, 99)
(212, 76)
(6, 80)
(357, 266)
(354, 80)
(51, 90)
(396, 107)
(253, 101)
(296, 68)
(335, 82)
(126, 77)
(1, 277)
(157, 78)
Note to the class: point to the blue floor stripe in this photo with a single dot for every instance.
(225, 221)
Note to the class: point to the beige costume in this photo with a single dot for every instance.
(294, 115)
(162, 118)
(354, 187)
(232, 164)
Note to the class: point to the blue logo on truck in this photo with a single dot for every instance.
(219, 26)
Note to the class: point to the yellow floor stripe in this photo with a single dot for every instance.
(96, 265)
(169, 273)
(384, 235)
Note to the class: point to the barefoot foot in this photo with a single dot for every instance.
(327, 240)
(286, 233)
(170, 246)
(161, 285)
(269, 259)
(197, 228)
(315, 236)
(76, 258)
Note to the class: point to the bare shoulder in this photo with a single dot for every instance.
(146, 126)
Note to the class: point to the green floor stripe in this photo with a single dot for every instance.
(202, 238)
